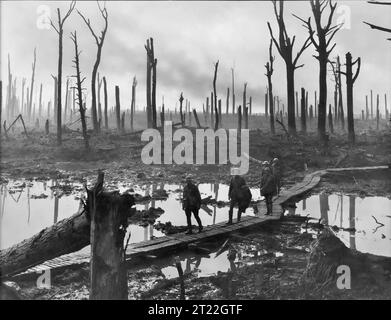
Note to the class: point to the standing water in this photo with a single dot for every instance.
(27, 207)
(367, 221)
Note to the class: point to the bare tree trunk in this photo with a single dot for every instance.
(108, 213)
(350, 79)
(117, 109)
(133, 104)
(239, 119)
(32, 85)
(266, 106)
(79, 83)
(215, 96)
(105, 100)
(180, 109)
(303, 112)
(233, 91)
(99, 42)
(227, 102)
(330, 119)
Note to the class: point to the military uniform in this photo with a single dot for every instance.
(268, 187)
(191, 204)
(239, 194)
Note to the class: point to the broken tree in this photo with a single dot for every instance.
(109, 220)
(60, 30)
(325, 35)
(269, 72)
(285, 48)
(350, 79)
(79, 95)
(99, 43)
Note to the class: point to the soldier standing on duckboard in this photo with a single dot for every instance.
(239, 194)
(191, 204)
(268, 186)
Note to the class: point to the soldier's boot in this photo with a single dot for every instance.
(197, 217)
(239, 214)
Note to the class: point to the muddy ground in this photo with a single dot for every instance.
(272, 259)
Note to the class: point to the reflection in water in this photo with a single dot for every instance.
(40, 199)
(355, 215)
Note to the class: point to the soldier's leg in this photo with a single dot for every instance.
(230, 212)
(188, 217)
(197, 217)
(269, 203)
(240, 211)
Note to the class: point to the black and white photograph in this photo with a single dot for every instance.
(195, 155)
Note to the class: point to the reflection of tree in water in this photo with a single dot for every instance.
(352, 221)
(324, 207)
(193, 260)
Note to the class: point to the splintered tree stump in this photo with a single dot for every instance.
(329, 252)
(108, 211)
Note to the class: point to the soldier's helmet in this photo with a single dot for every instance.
(189, 178)
(265, 164)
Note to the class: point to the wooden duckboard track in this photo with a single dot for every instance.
(179, 241)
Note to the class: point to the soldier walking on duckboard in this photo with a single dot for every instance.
(191, 204)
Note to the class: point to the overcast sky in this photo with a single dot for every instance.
(189, 38)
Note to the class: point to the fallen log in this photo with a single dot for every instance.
(66, 236)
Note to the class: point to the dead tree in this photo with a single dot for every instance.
(336, 68)
(79, 90)
(325, 34)
(227, 102)
(245, 109)
(371, 104)
(60, 31)
(215, 96)
(196, 119)
(66, 99)
(133, 104)
(118, 109)
(376, 27)
(180, 109)
(32, 85)
(330, 120)
(105, 100)
(99, 40)
(108, 214)
(55, 99)
(239, 120)
(350, 79)
(233, 90)
(98, 101)
(284, 46)
(303, 112)
(269, 72)
(151, 84)
(377, 112)
(266, 104)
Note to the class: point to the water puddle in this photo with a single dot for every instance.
(367, 221)
(27, 207)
